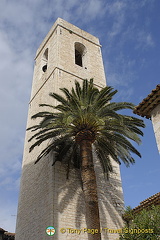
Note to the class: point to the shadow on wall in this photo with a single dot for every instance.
(47, 198)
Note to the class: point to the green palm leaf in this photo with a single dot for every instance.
(88, 108)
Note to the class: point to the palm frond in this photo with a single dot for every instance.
(116, 106)
(43, 114)
(81, 109)
(46, 105)
(59, 98)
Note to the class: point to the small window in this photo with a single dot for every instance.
(44, 68)
(79, 53)
(45, 60)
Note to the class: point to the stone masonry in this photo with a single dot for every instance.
(47, 198)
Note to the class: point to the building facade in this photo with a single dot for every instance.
(46, 198)
(5, 235)
(150, 108)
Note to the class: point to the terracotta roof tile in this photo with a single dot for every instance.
(9, 234)
(147, 203)
(149, 103)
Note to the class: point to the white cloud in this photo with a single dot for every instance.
(116, 7)
(116, 11)
(117, 27)
(127, 25)
(120, 75)
(16, 75)
(95, 8)
(144, 40)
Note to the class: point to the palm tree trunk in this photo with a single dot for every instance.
(90, 190)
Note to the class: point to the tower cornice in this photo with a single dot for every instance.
(72, 29)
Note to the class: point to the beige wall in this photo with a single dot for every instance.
(155, 116)
(46, 197)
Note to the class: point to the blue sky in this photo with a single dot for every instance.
(130, 36)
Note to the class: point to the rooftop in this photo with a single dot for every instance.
(147, 203)
(2, 230)
(149, 103)
(7, 235)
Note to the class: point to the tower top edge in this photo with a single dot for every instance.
(72, 29)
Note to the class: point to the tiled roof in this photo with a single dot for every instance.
(9, 234)
(147, 203)
(149, 103)
(2, 230)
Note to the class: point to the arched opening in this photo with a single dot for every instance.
(80, 51)
(78, 58)
(45, 60)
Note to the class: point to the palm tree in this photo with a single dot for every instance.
(83, 119)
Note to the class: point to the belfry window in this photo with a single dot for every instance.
(79, 53)
(45, 60)
(78, 58)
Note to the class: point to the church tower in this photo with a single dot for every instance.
(47, 198)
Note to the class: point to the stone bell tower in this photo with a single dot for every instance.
(47, 198)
